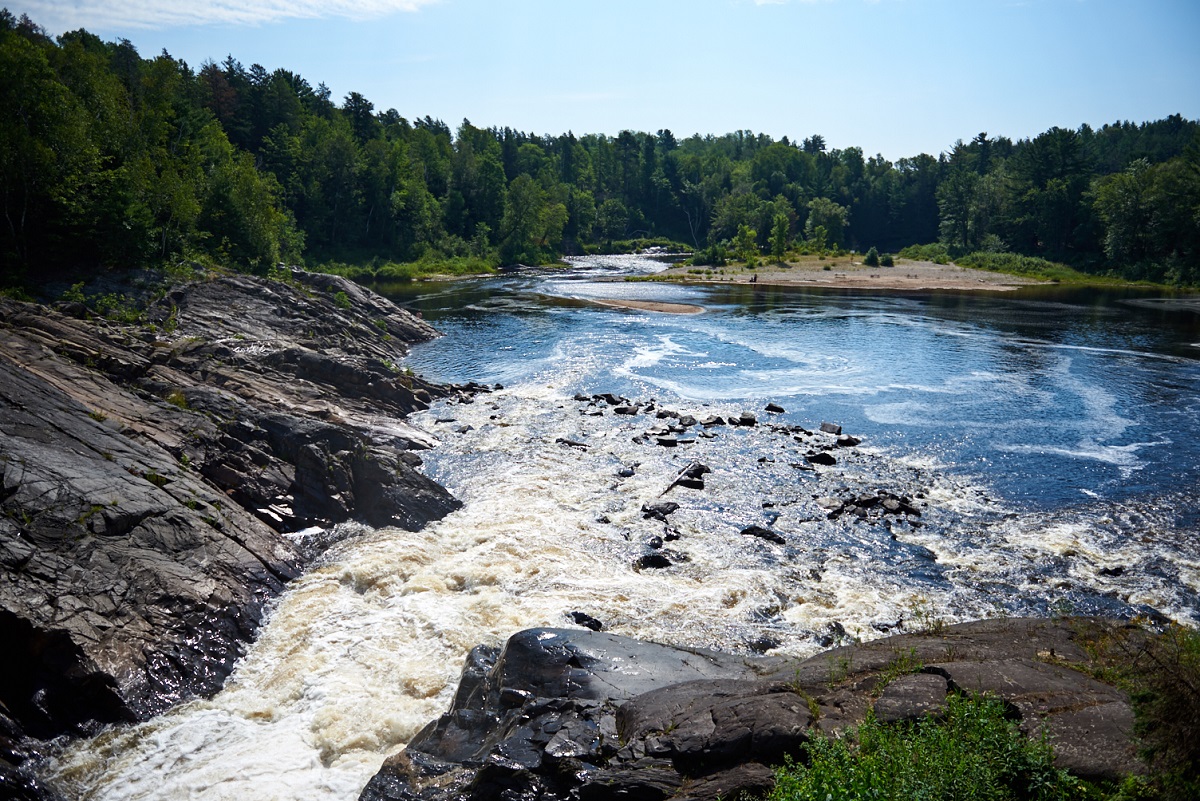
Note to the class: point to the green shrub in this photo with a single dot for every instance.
(872, 258)
(935, 252)
(973, 753)
(885, 260)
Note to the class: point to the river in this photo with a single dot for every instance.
(1046, 441)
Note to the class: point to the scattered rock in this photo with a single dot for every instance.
(764, 534)
(821, 458)
(831, 428)
(625, 410)
(572, 443)
(745, 419)
(587, 621)
(652, 561)
(773, 408)
(659, 510)
(712, 420)
(847, 441)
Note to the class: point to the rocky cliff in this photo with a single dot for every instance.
(155, 476)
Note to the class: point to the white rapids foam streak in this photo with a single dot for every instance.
(366, 648)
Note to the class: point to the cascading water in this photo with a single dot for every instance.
(1048, 446)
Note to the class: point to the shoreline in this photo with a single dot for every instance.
(843, 273)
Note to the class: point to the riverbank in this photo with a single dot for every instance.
(164, 479)
(846, 272)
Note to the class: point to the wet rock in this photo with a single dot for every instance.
(655, 543)
(687, 421)
(625, 410)
(831, 428)
(626, 472)
(763, 534)
(829, 502)
(712, 420)
(666, 414)
(821, 458)
(774, 408)
(659, 510)
(580, 397)
(667, 441)
(652, 561)
(744, 419)
(147, 478)
(847, 441)
(572, 443)
(587, 621)
(613, 400)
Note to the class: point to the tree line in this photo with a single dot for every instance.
(111, 159)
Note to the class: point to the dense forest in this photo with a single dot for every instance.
(109, 159)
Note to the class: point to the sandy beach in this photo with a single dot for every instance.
(844, 273)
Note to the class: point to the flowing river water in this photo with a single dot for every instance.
(1047, 438)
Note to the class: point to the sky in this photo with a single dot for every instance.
(894, 77)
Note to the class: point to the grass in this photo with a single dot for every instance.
(404, 272)
(974, 752)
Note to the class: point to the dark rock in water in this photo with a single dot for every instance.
(464, 429)
(587, 621)
(579, 396)
(572, 443)
(690, 483)
(652, 561)
(1113, 572)
(659, 510)
(664, 414)
(147, 478)
(831, 428)
(763, 534)
(655, 543)
(687, 421)
(626, 472)
(821, 458)
(712, 420)
(774, 408)
(613, 400)
(625, 410)
(671, 535)
(567, 714)
(745, 419)
(667, 441)
(847, 441)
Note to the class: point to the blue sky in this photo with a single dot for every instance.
(896, 77)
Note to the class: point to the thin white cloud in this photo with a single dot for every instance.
(63, 15)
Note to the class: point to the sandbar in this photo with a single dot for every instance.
(845, 273)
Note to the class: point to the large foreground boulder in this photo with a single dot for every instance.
(150, 474)
(561, 714)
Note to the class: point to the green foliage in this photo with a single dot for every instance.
(975, 752)
(871, 259)
(341, 300)
(886, 260)
(746, 245)
(108, 159)
(780, 236)
(1161, 673)
(935, 253)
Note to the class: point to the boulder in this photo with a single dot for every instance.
(565, 714)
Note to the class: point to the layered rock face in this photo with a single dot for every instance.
(151, 474)
(574, 714)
